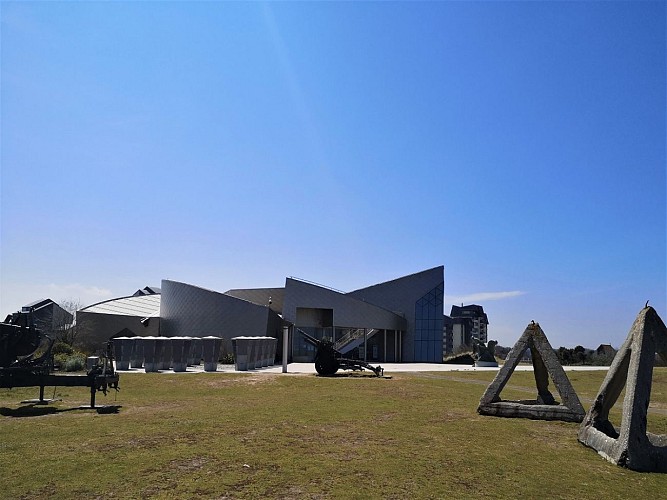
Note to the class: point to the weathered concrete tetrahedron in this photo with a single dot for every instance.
(545, 363)
(632, 368)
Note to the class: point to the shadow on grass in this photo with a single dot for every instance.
(351, 375)
(34, 410)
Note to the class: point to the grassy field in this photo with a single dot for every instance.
(204, 435)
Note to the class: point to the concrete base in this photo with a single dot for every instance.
(151, 367)
(631, 369)
(530, 409)
(486, 364)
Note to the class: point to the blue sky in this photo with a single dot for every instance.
(229, 145)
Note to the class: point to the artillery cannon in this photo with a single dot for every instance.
(328, 360)
(20, 367)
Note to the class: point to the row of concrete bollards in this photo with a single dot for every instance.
(164, 353)
(254, 352)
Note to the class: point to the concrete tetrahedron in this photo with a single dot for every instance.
(632, 368)
(545, 363)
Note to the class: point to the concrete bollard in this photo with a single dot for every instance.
(179, 353)
(234, 353)
(151, 354)
(272, 352)
(196, 351)
(212, 346)
(137, 359)
(264, 361)
(160, 353)
(252, 352)
(122, 348)
(261, 352)
(240, 346)
(255, 352)
(190, 352)
(166, 354)
(187, 349)
(267, 354)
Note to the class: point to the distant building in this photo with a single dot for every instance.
(605, 350)
(48, 316)
(447, 336)
(465, 326)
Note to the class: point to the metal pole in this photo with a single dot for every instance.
(285, 347)
(385, 347)
(365, 345)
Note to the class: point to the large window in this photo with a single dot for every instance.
(428, 326)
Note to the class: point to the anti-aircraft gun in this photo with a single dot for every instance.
(20, 366)
(328, 359)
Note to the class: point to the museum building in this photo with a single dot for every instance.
(396, 321)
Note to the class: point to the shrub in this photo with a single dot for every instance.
(227, 359)
(74, 362)
(62, 348)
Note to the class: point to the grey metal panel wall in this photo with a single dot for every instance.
(97, 328)
(348, 311)
(274, 327)
(400, 295)
(187, 310)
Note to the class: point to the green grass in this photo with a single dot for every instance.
(272, 436)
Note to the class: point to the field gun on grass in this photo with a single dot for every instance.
(328, 360)
(21, 366)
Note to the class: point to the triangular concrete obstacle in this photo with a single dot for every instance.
(545, 363)
(632, 368)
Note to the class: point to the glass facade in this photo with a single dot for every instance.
(428, 326)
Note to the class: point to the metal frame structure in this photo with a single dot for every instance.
(19, 341)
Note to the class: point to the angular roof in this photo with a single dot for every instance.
(147, 290)
(400, 294)
(349, 311)
(39, 303)
(141, 306)
(261, 296)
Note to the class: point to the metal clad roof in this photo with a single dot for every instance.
(261, 296)
(143, 305)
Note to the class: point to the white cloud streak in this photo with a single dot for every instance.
(76, 290)
(484, 297)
